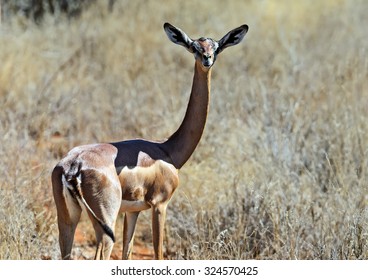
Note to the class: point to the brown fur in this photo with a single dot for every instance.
(134, 175)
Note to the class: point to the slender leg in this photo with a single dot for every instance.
(102, 195)
(107, 210)
(130, 221)
(104, 243)
(158, 225)
(67, 223)
(67, 226)
(68, 215)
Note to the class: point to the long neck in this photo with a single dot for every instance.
(181, 145)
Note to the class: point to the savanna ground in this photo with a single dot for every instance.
(281, 171)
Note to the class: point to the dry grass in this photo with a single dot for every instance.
(281, 171)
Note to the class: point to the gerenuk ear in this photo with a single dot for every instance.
(232, 38)
(178, 36)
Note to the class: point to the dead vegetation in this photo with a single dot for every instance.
(281, 171)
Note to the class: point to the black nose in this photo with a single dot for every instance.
(206, 60)
(206, 63)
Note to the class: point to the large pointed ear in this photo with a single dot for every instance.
(178, 36)
(232, 38)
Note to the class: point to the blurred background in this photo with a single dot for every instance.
(281, 170)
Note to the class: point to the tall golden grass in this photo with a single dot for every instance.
(281, 170)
